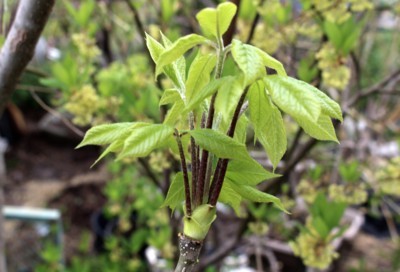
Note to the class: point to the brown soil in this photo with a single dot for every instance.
(44, 171)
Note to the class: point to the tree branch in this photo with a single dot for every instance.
(232, 27)
(254, 24)
(17, 51)
(150, 172)
(19, 47)
(373, 89)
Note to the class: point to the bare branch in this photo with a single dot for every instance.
(393, 77)
(66, 122)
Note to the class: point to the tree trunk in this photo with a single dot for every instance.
(17, 51)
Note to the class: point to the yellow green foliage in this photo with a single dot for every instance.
(86, 46)
(312, 249)
(83, 103)
(350, 193)
(389, 178)
(335, 73)
(308, 190)
(158, 161)
(340, 11)
(259, 228)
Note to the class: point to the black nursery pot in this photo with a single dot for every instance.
(104, 227)
(377, 226)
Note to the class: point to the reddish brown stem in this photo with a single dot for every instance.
(188, 203)
(222, 164)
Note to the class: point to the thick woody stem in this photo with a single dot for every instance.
(189, 253)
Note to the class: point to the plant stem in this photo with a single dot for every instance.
(204, 155)
(188, 203)
(193, 151)
(222, 164)
(189, 254)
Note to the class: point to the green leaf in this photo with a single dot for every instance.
(219, 144)
(227, 98)
(334, 34)
(169, 96)
(199, 73)
(174, 113)
(215, 22)
(248, 172)
(307, 69)
(180, 64)
(328, 106)
(156, 49)
(253, 194)
(205, 92)
(167, 10)
(267, 122)
(322, 129)
(116, 146)
(271, 62)
(248, 60)
(138, 239)
(292, 97)
(144, 140)
(231, 198)
(177, 49)
(329, 212)
(241, 129)
(176, 192)
(106, 134)
(320, 227)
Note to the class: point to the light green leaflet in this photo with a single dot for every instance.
(176, 192)
(199, 74)
(248, 172)
(215, 22)
(177, 49)
(219, 144)
(321, 130)
(267, 122)
(292, 98)
(253, 194)
(170, 70)
(230, 197)
(144, 140)
(248, 60)
(107, 133)
(169, 96)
